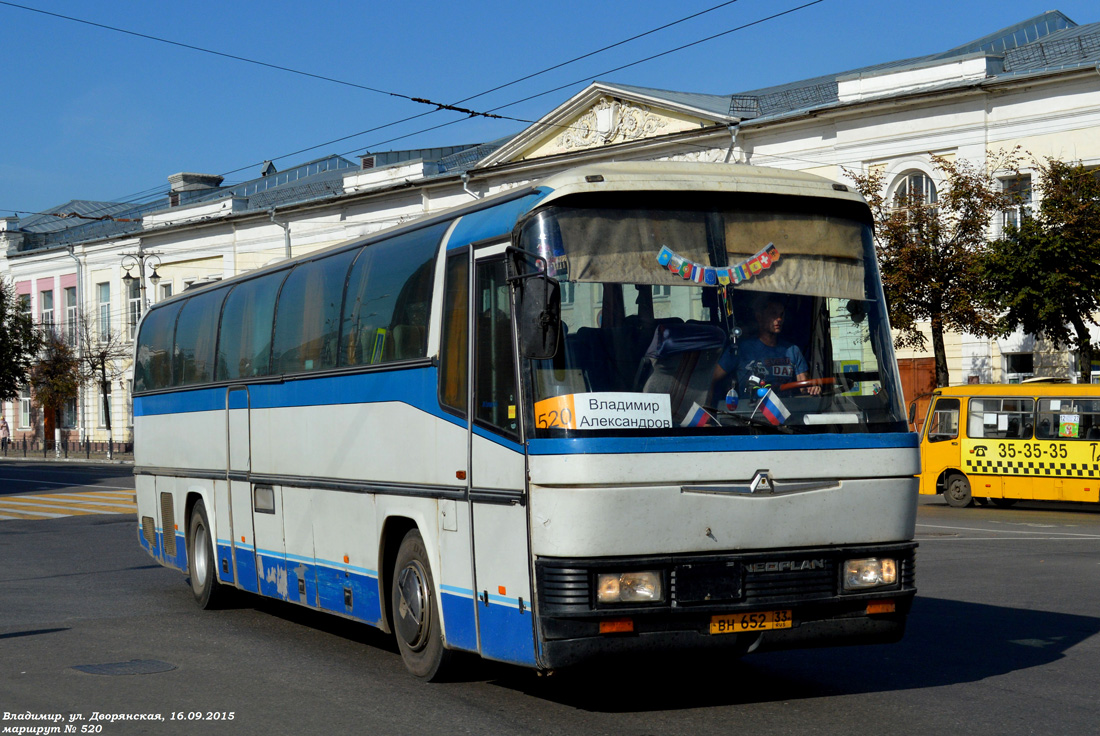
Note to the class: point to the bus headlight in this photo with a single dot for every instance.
(629, 587)
(869, 573)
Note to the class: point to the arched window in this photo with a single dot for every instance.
(914, 186)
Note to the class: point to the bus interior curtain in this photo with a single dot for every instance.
(818, 256)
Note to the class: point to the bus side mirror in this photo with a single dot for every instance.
(913, 412)
(538, 305)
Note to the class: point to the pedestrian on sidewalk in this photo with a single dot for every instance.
(5, 434)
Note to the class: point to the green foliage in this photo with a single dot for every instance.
(1045, 274)
(55, 378)
(19, 341)
(930, 253)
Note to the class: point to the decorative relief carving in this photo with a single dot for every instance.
(704, 156)
(610, 121)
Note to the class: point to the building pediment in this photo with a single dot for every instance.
(603, 115)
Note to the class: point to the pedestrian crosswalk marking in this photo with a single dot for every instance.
(56, 505)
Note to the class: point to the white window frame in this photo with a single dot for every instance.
(104, 406)
(1017, 185)
(24, 408)
(70, 316)
(103, 323)
(133, 310)
(45, 304)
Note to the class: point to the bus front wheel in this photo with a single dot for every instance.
(957, 493)
(203, 565)
(415, 613)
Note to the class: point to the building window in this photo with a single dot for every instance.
(25, 408)
(662, 291)
(46, 303)
(134, 305)
(165, 291)
(25, 304)
(1018, 366)
(567, 293)
(916, 184)
(104, 407)
(914, 190)
(1018, 188)
(68, 414)
(129, 403)
(71, 326)
(104, 326)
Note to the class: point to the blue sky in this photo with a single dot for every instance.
(93, 114)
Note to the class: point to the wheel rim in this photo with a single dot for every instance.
(413, 609)
(199, 552)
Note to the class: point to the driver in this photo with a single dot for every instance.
(773, 360)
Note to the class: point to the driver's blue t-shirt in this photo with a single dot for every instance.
(773, 365)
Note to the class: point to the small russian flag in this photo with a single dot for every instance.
(696, 417)
(773, 409)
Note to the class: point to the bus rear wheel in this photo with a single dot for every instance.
(1003, 503)
(957, 492)
(208, 592)
(415, 613)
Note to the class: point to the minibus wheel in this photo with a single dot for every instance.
(201, 561)
(414, 611)
(957, 492)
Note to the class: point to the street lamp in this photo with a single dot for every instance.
(140, 259)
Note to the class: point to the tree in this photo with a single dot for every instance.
(19, 341)
(1045, 273)
(930, 252)
(55, 378)
(101, 359)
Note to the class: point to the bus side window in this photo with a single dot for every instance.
(494, 361)
(453, 351)
(945, 421)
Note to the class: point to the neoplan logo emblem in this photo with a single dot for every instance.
(762, 482)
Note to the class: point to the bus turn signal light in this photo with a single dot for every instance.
(617, 626)
(887, 606)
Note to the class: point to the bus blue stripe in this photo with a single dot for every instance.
(494, 221)
(755, 443)
(417, 387)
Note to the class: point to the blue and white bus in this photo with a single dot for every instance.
(547, 426)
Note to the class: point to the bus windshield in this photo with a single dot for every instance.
(743, 314)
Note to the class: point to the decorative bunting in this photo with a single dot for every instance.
(701, 274)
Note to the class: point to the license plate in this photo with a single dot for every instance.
(737, 623)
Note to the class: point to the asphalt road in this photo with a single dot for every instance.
(1002, 640)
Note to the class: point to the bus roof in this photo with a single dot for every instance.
(1036, 388)
(683, 176)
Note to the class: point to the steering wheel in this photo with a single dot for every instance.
(823, 382)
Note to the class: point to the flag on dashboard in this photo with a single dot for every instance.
(696, 417)
(773, 409)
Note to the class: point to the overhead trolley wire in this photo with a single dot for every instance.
(158, 191)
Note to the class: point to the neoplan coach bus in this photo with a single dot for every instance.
(546, 426)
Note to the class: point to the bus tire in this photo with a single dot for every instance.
(208, 592)
(957, 492)
(414, 611)
(1004, 503)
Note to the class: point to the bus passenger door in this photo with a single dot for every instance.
(940, 449)
(498, 505)
(240, 498)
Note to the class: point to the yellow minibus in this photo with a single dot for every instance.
(1006, 442)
